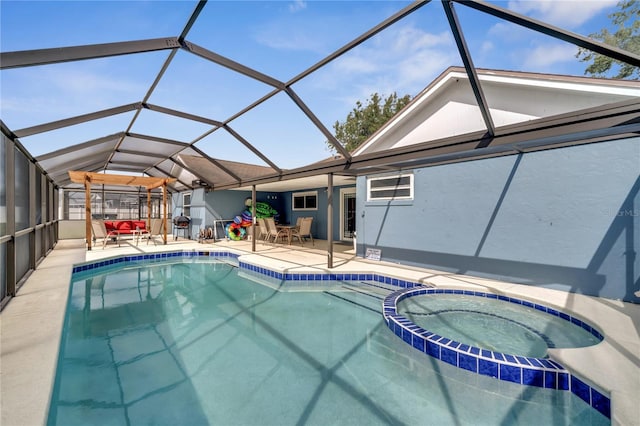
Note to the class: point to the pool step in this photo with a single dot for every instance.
(364, 296)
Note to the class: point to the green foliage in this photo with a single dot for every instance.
(627, 37)
(364, 120)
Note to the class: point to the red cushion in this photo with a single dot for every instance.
(140, 224)
(124, 225)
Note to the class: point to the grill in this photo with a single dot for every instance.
(181, 225)
(181, 221)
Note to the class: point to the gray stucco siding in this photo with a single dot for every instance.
(565, 218)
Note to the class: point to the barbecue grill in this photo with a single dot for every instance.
(182, 224)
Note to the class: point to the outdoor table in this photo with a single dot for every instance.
(287, 230)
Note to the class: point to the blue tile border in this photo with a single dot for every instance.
(316, 276)
(285, 276)
(528, 371)
(149, 257)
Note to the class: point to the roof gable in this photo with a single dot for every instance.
(447, 107)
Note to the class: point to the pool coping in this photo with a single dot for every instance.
(526, 371)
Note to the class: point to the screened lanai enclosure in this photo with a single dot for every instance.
(242, 95)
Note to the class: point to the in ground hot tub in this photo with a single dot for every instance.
(508, 326)
(475, 339)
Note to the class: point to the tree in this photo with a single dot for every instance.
(627, 37)
(364, 120)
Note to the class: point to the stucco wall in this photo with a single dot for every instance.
(70, 229)
(209, 206)
(566, 218)
(319, 225)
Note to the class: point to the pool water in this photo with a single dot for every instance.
(493, 324)
(192, 342)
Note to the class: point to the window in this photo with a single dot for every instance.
(399, 187)
(186, 204)
(305, 200)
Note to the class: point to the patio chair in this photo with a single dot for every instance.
(263, 229)
(156, 230)
(303, 231)
(274, 232)
(143, 233)
(100, 231)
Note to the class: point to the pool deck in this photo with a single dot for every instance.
(31, 323)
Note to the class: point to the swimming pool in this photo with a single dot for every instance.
(196, 340)
(494, 324)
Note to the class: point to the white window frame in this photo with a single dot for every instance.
(378, 178)
(186, 207)
(303, 194)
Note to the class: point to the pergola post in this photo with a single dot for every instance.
(148, 208)
(164, 202)
(87, 210)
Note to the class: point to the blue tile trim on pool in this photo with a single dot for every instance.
(529, 371)
(89, 266)
(315, 276)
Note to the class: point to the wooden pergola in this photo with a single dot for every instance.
(91, 178)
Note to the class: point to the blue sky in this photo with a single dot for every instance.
(278, 38)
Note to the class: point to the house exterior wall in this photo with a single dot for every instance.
(209, 206)
(320, 222)
(196, 211)
(566, 218)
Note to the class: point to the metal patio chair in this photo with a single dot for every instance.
(303, 231)
(100, 231)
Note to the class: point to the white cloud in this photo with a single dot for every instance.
(563, 13)
(545, 56)
(356, 65)
(404, 61)
(508, 31)
(297, 5)
(487, 46)
(54, 92)
(413, 39)
(84, 83)
(419, 69)
(292, 41)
